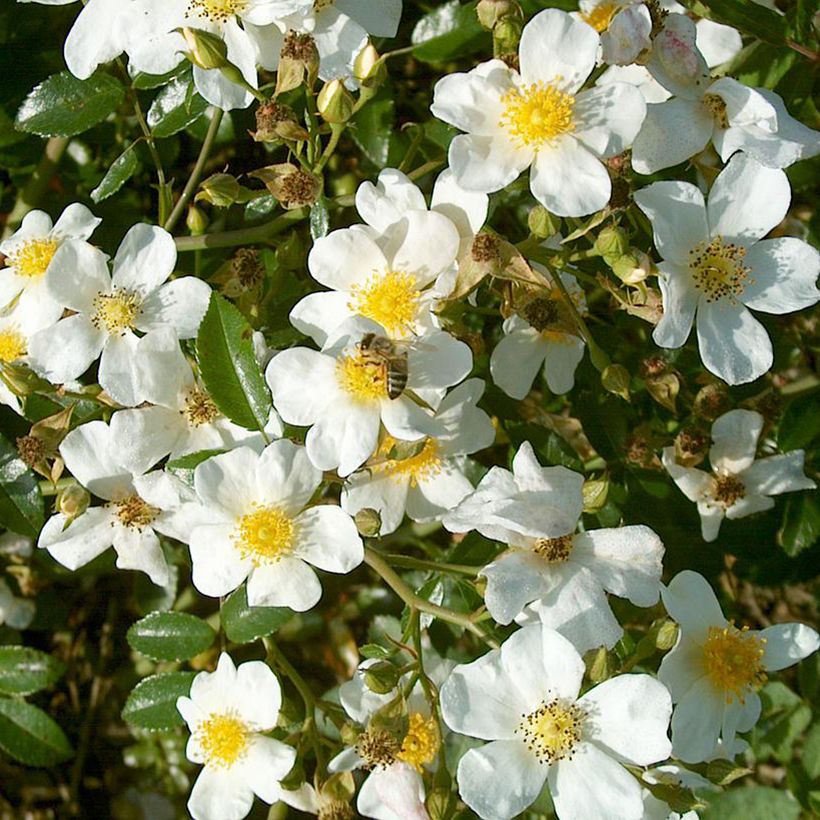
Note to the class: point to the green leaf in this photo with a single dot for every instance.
(63, 106)
(374, 128)
(450, 31)
(753, 803)
(170, 636)
(800, 424)
(801, 523)
(228, 365)
(21, 504)
(243, 623)
(319, 219)
(30, 736)
(152, 703)
(373, 650)
(174, 108)
(121, 170)
(24, 670)
(756, 20)
(183, 468)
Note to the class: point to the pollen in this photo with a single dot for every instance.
(264, 535)
(421, 742)
(728, 490)
(32, 258)
(378, 748)
(135, 513)
(362, 377)
(422, 463)
(554, 550)
(223, 738)
(199, 408)
(716, 106)
(390, 299)
(733, 659)
(718, 270)
(218, 11)
(601, 16)
(537, 113)
(12, 345)
(116, 312)
(552, 732)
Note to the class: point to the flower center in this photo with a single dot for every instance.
(218, 11)
(554, 550)
(32, 258)
(264, 535)
(135, 513)
(718, 270)
(363, 376)
(224, 739)
(378, 748)
(318, 5)
(391, 299)
(116, 312)
(413, 460)
(734, 660)
(421, 742)
(335, 810)
(728, 490)
(199, 408)
(553, 730)
(716, 106)
(601, 16)
(12, 345)
(537, 114)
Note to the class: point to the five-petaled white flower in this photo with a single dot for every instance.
(109, 308)
(523, 698)
(561, 574)
(261, 530)
(715, 669)
(424, 478)
(228, 713)
(738, 485)
(715, 266)
(540, 118)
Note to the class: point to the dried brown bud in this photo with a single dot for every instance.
(299, 59)
(275, 121)
(712, 401)
(485, 248)
(691, 446)
(32, 450)
(291, 186)
(247, 268)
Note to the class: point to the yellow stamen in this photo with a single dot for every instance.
(423, 464)
(733, 659)
(718, 270)
(537, 113)
(728, 490)
(264, 535)
(116, 312)
(553, 731)
(421, 742)
(199, 408)
(12, 345)
(363, 377)
(716, 106)
(33, 257)
(224, 739)
(390, 299)
(377, 747)
(218, 11)
(601, 16)
(554, 550)
(134, 512)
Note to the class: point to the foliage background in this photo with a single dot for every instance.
(764, 567)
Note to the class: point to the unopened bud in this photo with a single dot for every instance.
(381, 678)
(335, 102)
(73, 501)
(598, 666)
(491, 12)
(712, 401)
(615, 378)
(666, 636)
(691, 447)
(507, 34)
(196, 221)
(368, 522)
(291, 186)
(612, 243)
(205, 50)
(542, 223)
(633, 267)
(369, 68)
(221, 190)
(595, 492)
(664, 389)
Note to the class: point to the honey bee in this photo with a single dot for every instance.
(390, 356)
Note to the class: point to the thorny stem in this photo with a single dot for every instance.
(380, 566)
(196, 173)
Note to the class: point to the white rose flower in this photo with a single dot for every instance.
(523, 699)
(715, 668)
(29, 253)
(715, 269)
(429, 480)
(341, 392)
(263, 531)
(228, 713)
(385, 277)
(129, 521)
(540, 118)
(109, 308)
(542, 337)
(738, 485)
(561, 574)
